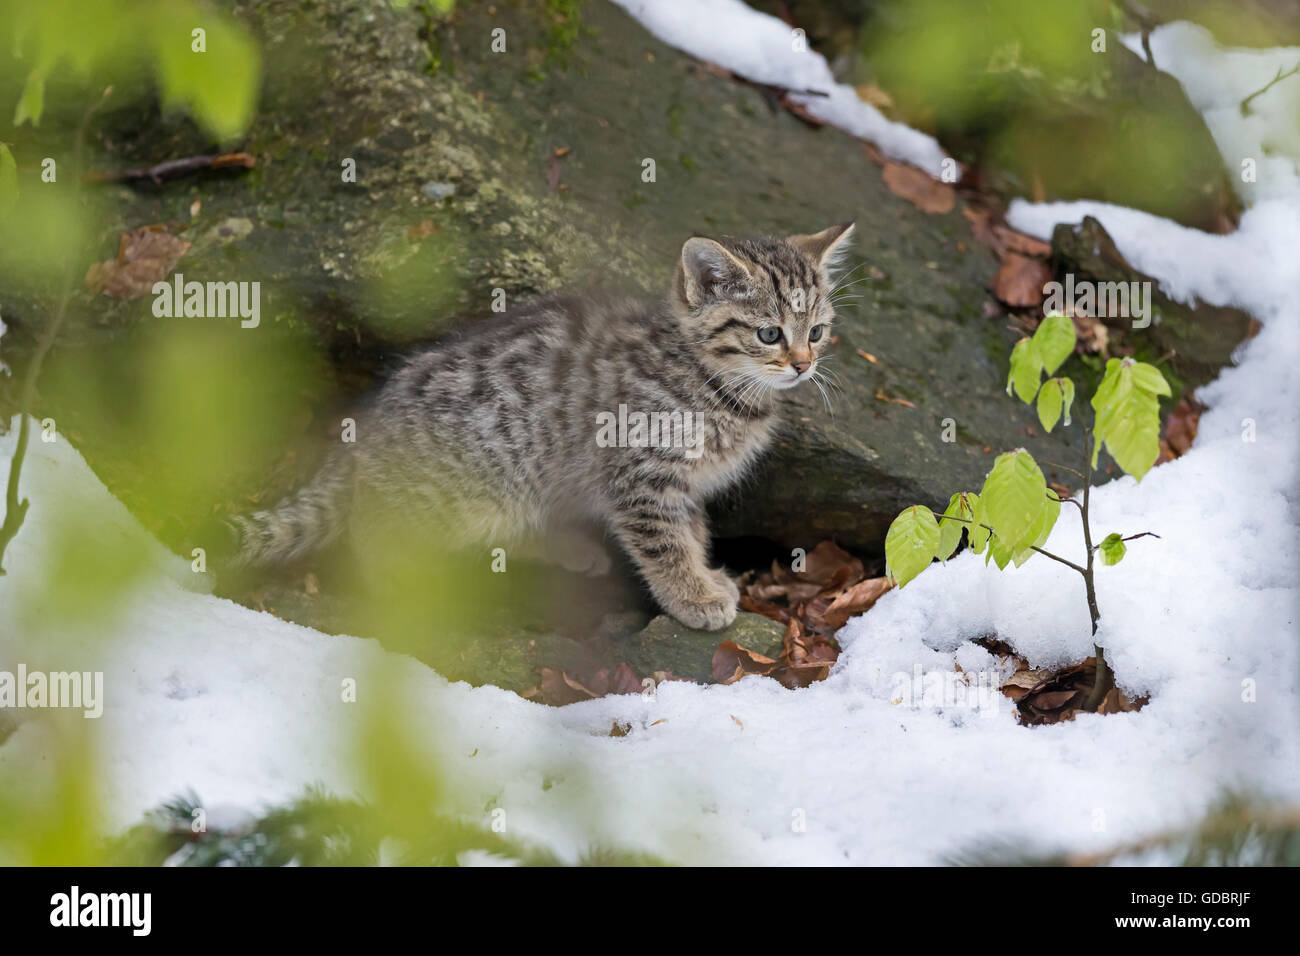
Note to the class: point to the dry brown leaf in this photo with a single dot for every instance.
(882, 397)
(421, 230)
(1013, 241)
(1180, 429)
(869, 357)
(1026, 679)
(1053, 699)
(558, 688)
(926, 194)
(857, 599)
(731, 662)
(144, 256)
(1020, 279)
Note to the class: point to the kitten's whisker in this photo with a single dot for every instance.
(843, 279)
(825, 398)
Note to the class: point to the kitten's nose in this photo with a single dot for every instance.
(801, 367)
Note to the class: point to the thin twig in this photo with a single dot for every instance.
(1046, 554)
(1104, 680)
(1145, 24)
(1072, 471)
(1133, 537)
(175, 167)
(1245, 104)
(16, 509)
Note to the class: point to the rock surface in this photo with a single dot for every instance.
(523, 172)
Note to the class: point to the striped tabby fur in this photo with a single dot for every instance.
(490, 436)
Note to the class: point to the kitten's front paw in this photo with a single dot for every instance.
(710, 610)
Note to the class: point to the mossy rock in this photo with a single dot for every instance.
(522, 172)
(666, 644)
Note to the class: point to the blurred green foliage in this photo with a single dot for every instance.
(199, 57)
(1048, 103)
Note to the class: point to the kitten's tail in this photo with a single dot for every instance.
(304, 521)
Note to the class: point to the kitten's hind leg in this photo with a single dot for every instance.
(670, 547)
(573, 548)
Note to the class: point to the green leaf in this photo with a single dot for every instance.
(219, 85)
(911, 543)
(8, 179)
(1026, 370)
(998, 553)
(1055, 397)
(949, 531)
(961, 506)
(977, 536)
(31, 104)
(1013, 498)
(1128, 419)
(1054, 341)
(1049, 404)
(1042, 530)
(1066, 386)
(1112, 549)
(1148, 378)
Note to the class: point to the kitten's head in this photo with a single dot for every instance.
(758, 311)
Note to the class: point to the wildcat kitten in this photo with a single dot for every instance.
(494, 433)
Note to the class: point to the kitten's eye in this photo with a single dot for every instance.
(815, 332)
(769, 334)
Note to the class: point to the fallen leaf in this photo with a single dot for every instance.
(1026, 679)
(869, 357)
(558, 688)
(1180, 429)
(1091, 334)
(857, 599)
(421, 230)
(1014, 241)
(625, 680)
(144, 256)
(1052, 700)
(731, 662)
(917, 187)
(1020, 279)
(881, 396)
(826, 568)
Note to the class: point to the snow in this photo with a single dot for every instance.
(763, 49)
(246, 710)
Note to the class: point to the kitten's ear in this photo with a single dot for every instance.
(827, 247)
(704, 269)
